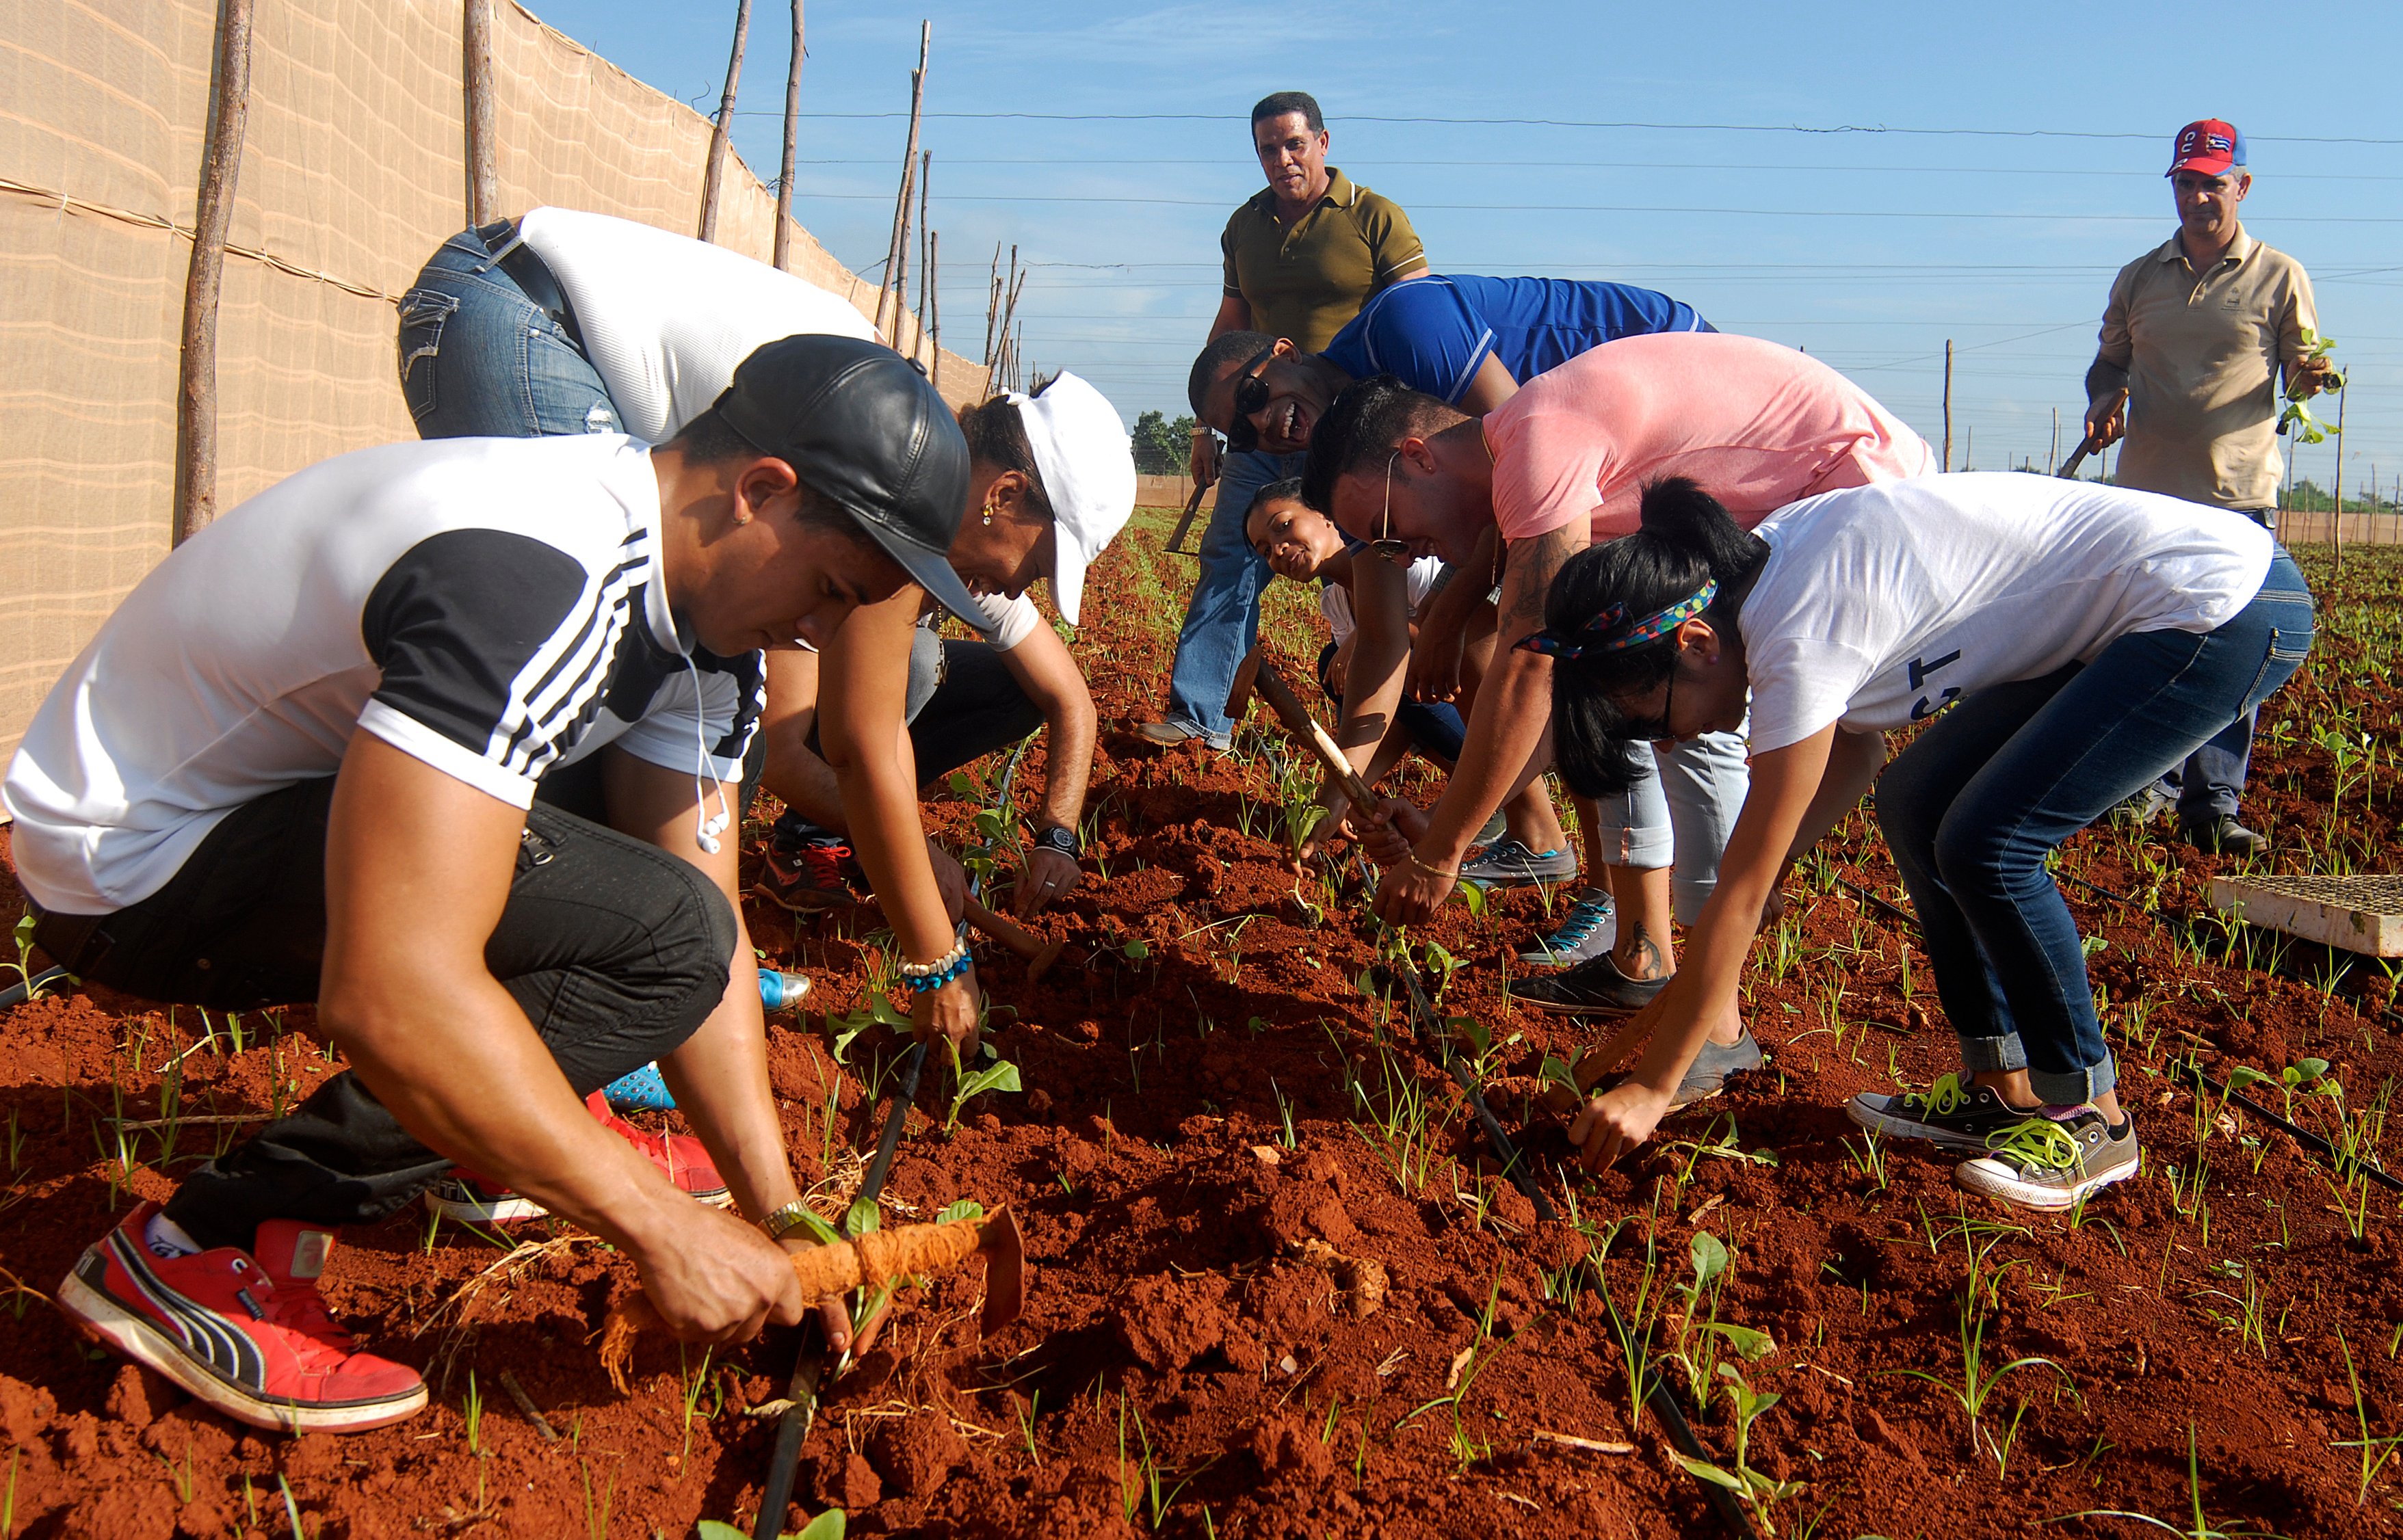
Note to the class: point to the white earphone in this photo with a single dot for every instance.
(704, 831)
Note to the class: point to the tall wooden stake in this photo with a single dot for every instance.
(2336, 528)
(2052, 457)
(935, 310)
(476, 83)
(792, 144)
(196, 381)
(1948, 403)
(992, 312)
(897, 254)
(716, 173)
(926, 242)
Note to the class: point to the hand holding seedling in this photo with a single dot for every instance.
(948, 1013)
(712, 1278)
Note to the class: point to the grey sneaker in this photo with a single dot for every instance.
(1495, 828)
(2052, 1163)
(1951, 1113)
(1508, 864)
(1592, 988)
(1171, 733)
(1588, 930)
(1711, 1068)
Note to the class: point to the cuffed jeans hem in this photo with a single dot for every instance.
(1642, 848)
(1992, 1055)
(2073, 1088)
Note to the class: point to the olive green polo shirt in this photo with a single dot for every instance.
(2203, 353)
(1308, 280)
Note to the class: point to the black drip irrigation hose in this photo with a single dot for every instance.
(1429, 1031)
(2369, 1166)
(1663, 1402)
(25, 989)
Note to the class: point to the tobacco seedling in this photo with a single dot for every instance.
(825, 1526)
(1001, 1075)
(1977, 1383)
(2298, 419)
(1755, 1490)
(1698, 1343)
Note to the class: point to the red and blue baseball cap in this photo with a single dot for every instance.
(2211, 148)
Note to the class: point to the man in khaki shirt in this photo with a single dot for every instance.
(1302, 255)
(2196, 332)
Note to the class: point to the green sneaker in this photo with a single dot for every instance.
(2053, 1163)
(1955, 1115)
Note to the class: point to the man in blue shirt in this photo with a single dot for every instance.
(1466, 340)
(1470, 341)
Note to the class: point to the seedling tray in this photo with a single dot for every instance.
(2362, 914)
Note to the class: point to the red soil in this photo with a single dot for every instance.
(1174, 1327)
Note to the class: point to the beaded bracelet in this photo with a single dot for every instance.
(922, 976)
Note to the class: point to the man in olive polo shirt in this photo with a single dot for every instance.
(1302, 255)
(2196, 331)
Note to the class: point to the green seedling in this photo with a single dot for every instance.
(1699, 1341)
(471, 1411)
(24, 966)
(2375, 1451)
(1977, 1382)
(1757, 1490)
(2202, 1530)
(291, 1509)
(999, 1075)
(2297, 420)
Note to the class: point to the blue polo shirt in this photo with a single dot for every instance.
(1432, 333)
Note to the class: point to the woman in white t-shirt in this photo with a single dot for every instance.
(2077, 639)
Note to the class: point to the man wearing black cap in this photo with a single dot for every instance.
(2194, 337)
(437, 736)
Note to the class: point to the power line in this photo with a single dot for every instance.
(1515, 163)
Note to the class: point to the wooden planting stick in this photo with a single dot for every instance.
(792, 144)
(196, 383)
(715, 174)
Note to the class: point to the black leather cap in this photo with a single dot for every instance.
(859, 424)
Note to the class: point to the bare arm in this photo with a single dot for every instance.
(1435, 665)
(1788, 785)
(797, 777)
(860, 692)
(1510, 727)
(1380, 649)
(431, 1032)
(1042, 667)
(1234, 314)
(1490, 387)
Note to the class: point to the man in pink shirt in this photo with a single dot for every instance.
(1559, 466)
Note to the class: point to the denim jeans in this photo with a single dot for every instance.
(1434, 726)
(2211, 783)
(1971, 808)
(1678, 818)
(1222, 620)
(481, 360)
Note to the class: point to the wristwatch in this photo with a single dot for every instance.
(1054, 837)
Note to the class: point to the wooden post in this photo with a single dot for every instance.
(992, 313)
(896, 252)
(2336, 520)
(792, 144)
(2052, 457)
(925, 178)
(1948, 403)
(716, 173)
(476, 82)
(935, 310)
(196, 380)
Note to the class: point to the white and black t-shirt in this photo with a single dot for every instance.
(665, 318)
(1882, 605)
(491, 606)
(1335, 600)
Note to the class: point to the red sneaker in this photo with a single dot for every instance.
(246, 1332)
(807, 881)
(469, 1199)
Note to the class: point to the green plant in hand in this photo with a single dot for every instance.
(1755, 1490)
(2297, 420)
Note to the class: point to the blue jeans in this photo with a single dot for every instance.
(1973, 806)
(1223, 620)
(2211, 783)
(1434, 726)
(481, 360)
(1680, 817)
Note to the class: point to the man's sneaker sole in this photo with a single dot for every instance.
(506, 1208)
(138, 1338)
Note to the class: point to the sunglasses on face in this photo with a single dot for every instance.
(1385, 545)
(1251, 396)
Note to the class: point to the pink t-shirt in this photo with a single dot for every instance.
(1756, 424)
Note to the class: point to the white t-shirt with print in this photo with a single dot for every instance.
(1335, 600)
(1881, 605)
(666, 318)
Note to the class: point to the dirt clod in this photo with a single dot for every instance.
(915, 1452)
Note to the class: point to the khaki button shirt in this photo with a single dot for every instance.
(1308, 281)
(2203, 353)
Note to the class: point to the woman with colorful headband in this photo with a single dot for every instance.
(2069, 642)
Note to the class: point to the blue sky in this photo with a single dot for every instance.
(2001, 230)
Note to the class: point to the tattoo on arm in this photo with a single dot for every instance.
(1528, 570)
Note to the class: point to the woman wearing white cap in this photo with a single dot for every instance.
(1051, 481)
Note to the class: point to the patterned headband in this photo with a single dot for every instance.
(1551, 644)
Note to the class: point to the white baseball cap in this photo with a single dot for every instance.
(1086, 463)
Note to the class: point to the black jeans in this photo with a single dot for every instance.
(616, 949)
(968, 704)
